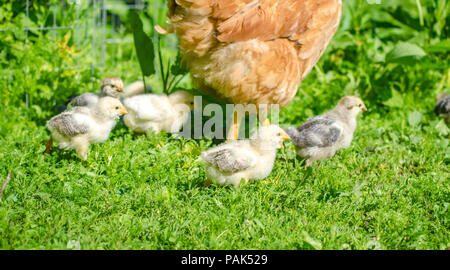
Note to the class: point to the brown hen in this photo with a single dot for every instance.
(252, 51)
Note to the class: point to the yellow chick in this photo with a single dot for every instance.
(135, 88)
(229, 163)
(79, 127)
(158, 112)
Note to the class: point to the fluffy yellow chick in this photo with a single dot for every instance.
(321, 136)
(79, 127)
(251, 159)
(158, 112)
(135, 88)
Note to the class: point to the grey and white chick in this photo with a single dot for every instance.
(443, 106)
(79, 127)
(111, 87)
(229, 163)
(321, 136)
(158, 112)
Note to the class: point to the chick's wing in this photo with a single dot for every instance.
(86, 99)
(230, 159)
(318, 131)
(69, 124)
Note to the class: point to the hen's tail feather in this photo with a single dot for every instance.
(191, 21)
(164, 31)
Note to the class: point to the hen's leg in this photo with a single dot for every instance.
(262, 116)
(266, 122)
(233, 133)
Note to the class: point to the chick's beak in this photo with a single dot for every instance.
(364, 108)
(123, 111)
(284, 135)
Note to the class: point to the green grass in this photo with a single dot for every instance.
(389, 190)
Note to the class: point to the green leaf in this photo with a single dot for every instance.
(179, 68)
(316, 244)
(442, 128)
(440, 47)
(395, 101)
(405, 53)
(119, 8)
(343, 40)
(415, 139)
(143, 44)
(415, 118)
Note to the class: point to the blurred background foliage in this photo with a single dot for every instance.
(394, 54)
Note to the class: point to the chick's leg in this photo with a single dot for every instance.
(236, 184)
(233, 133)
(207, 183)
(81, 146)
(48, 146)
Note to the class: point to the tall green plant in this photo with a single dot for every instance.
(171, 72)
(144, 47)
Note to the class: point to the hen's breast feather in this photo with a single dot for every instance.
(250, 72)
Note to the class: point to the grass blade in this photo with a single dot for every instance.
(5, 183)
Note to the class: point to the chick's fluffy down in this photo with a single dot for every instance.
(321, 136)
(158, 112)
(78, 127)
(229, 163)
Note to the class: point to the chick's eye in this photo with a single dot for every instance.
(360, 105)
(117, 107)
(279, 134)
